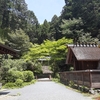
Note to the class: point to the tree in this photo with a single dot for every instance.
(15, 15)
(86, 37)
(45, 31)
(67, 10)
(88, 11)
(32, 26)
(4, 15)
(56, 50)
(72, 28)
(18, 40)
(54, 28)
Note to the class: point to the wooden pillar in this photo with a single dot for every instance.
(49, 76)
(90, 76)
(82, 66)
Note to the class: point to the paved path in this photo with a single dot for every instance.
(45, 90)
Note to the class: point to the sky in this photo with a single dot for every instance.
(45, 9)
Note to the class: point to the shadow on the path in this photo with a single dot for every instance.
(3, 93)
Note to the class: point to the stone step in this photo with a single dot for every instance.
(44, 79)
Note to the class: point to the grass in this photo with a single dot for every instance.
(56, 80)
(85, 93)
(74, 87)
(13, 85)
(97, 97)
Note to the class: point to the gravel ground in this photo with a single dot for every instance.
(45, 90)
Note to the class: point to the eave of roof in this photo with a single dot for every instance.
(6, 50)
(86, 53)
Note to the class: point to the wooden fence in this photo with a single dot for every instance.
(88, 78)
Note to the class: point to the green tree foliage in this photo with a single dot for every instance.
(4, 15)
(15, 65)
(67, 10)
(19, 82)
(88, 11)
(12, 76)
(11, 70)
(44, 31)
(24, 76)
(15, 15)
(8, 65)
(19, 40)
(72, 28)
(28, 76)
(32, 26)
(56, 50)
(87, 38)
(54, 28)
(34, 66)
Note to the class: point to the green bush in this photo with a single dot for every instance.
(9, 85)
(19, 83)
(10, 70)
(13, 75)
(57, 75)
(56, 80)
(33, 81)
(9, 64)
(34, 66)
(28, 76)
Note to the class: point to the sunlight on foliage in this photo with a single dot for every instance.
(54, 50)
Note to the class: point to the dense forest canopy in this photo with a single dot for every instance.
(78, 18)
(88, 11)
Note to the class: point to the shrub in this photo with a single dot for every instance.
(33, 81)
(9, 64)
(19, 83)
(13, 75)
(56, 80)
(57, 75)
(34, 66)
(9, 85)
(9, 68)
(28, 76)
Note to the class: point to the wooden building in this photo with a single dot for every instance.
(83, 57)
(7, 50)
(86, 62)
(46, 72)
